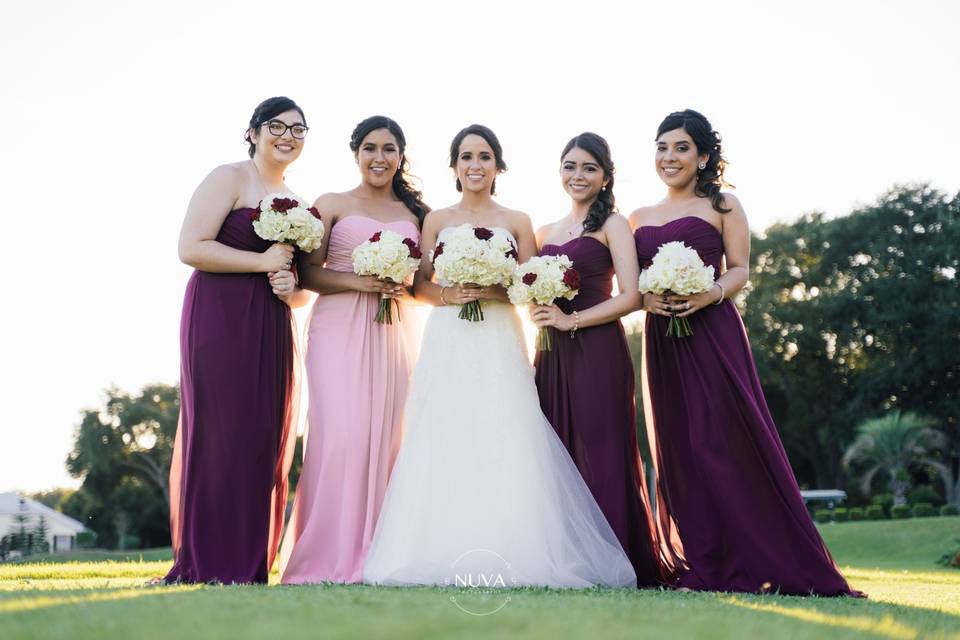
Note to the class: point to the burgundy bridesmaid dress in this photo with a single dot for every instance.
(586, 391)
(725, 487)
(228, 481)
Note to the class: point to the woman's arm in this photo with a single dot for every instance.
(208, 208)
(314, 276)
(616, 231)
(424, 288)
(736, 251)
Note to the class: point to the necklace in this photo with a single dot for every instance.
(263, 185)
(577, 227)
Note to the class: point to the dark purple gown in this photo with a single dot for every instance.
(587, 393)
(725, 486)
(228, 478)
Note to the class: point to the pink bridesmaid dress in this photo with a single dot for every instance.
(357, 374)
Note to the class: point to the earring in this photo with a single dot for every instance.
(603, 188)
(702, 165)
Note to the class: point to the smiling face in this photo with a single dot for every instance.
(677, 159)
(476, 164)
(581, 175)
(284, 148)
(378, 157)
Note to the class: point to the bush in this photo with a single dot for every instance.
(856, 513)
(923, 510)
(924, 493)
(952, 558)
(950, 510)
(875, 512)
(86, 540)
(840, 514)
(900, 512)
(884, 500)
(821, 515)
(131, 541)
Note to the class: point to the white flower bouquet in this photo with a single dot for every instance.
(281, 217)
(389, 256)
(541, 280)
(676, 269)
(475, 255)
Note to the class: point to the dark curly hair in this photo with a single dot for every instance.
(402, 184)
(605, 204)
(492, 140)
(709, 179)
(268, 110)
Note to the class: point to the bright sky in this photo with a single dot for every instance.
(114, 111)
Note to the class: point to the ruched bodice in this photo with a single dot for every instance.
(696, 233)
(351, 231)
(592, 260)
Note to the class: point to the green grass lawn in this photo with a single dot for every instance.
(102, 595)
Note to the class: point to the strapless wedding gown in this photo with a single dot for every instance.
(483, 491)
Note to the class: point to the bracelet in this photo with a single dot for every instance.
(723, 293)
(442, 301)
(576, 324)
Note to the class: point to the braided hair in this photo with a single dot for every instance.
(605, 204)
(709, 179)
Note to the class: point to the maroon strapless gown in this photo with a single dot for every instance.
(725, 487)
(587, 393)
(228, 481)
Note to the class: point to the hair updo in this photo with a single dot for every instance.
(490, 137)
(605, 204)
(709, 179)
(402, 183)
(268, 110)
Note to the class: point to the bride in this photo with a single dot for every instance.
(483, 491)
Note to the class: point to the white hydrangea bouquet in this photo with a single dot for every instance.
(475, 255)
(676, 269)
(389, 256)
(281, 217)
(541, 280)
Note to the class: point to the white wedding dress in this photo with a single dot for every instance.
(483, 493)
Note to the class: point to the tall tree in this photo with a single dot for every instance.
(40, 533)
(854, 316)
(122, 452)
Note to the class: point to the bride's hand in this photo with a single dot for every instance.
(493, 292)
(460, 293)
(550, 315)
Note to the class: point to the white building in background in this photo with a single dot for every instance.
(62, 530)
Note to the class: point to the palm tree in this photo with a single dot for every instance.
(890, 445)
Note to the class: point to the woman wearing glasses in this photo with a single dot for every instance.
(357, 369)
(228, 486)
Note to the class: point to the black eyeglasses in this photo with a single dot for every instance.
(277, 128)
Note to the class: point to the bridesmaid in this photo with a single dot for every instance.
(586, 384)
(725, 485)
(228, 477)
(357, 370)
